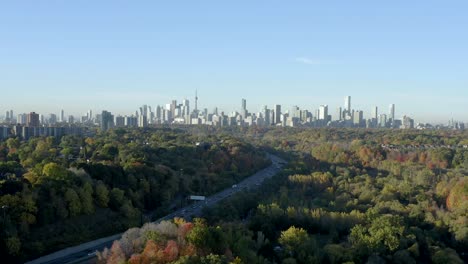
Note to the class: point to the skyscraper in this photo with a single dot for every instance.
(358, 118)
(185, 107)
(277, 114)
(375, 113)
(383, 120)
(339, 113)
(392, 115)
(323, 112)
(244, 109)
(196, 102)
(62, 116)
(266, 115)
(90, 115)
(348, 104)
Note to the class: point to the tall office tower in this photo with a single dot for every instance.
(11, 115)
(144, 110)
(243, 111)
(32, 120)
(304, 115)
(375, 113)
(62, 116)
(173, 107)
(272, 117)
(158, 112)
(266, 116)
(392, 115)
(143, 116)
(52, 119)
(185, 107)
(7, 116)
(71, 119)
(294, 112)
(107, 120)
(358, 118)
(323, 112)
(383, 120)
(90, 115)
(347, 104)
(277, 114)
(142, 121)
(339, 113)
(196, 102)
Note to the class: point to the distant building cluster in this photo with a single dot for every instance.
(174, 113)
(28, 125)
(32, 124)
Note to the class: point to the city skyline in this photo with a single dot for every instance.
(118, 55)
(368, 110)
(180, 112)
(28, 125)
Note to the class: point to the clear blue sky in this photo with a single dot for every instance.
(118, 55)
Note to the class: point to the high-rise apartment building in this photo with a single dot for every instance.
(21, 119)
(107, 120)
(119, 121)
(32, 120)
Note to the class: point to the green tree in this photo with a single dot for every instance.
(117, 198)
(293, 238)
(102, 194)
(73, 202)
(298, 244)
(13, 245)
(86, 195)
(383, 234)
(446, 255)
(56, 172)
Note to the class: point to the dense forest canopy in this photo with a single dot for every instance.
(56, 192)
(346, 196)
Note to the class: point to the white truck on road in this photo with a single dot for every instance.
(197, 197)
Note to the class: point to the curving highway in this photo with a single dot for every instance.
(87, 251)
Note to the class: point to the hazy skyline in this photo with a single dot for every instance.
(118, 55)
